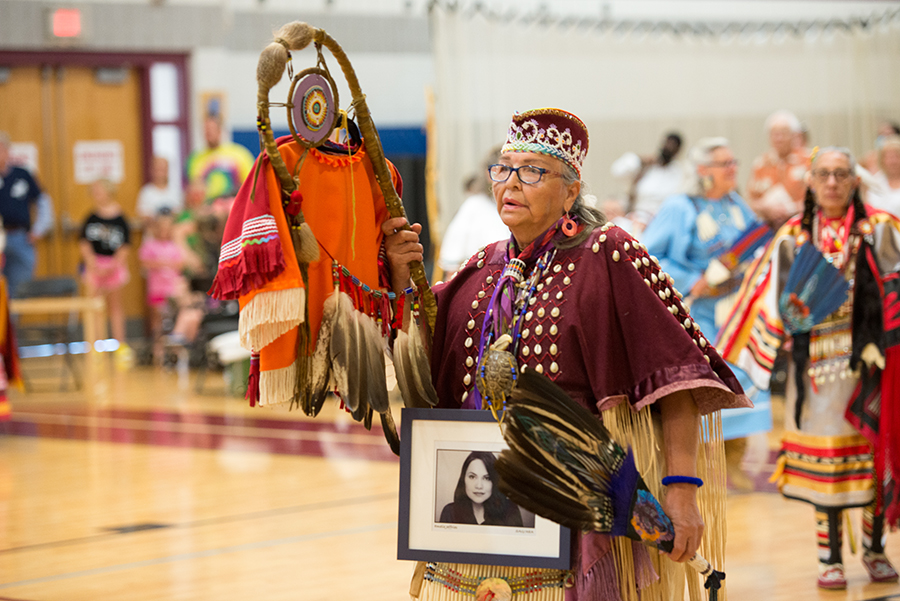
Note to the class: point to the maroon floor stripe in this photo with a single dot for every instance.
(205, 418)
(333, 441)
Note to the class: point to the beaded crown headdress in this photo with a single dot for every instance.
(550, 131)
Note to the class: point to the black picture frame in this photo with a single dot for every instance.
(433, 441)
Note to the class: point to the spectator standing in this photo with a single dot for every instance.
(884, 190)
(776, 187)
(19, 194)
(654, 178)
(105, 239)
(870, 161)
(222, 166)
(197, 264)
(156, 194)
(476, 223)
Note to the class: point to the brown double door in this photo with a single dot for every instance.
(53, 108)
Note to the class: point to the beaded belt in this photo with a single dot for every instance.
(536, 580)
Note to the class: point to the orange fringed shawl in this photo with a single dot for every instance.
(344, 207)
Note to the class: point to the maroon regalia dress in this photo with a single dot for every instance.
(606, 324)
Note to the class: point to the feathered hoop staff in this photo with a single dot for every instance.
(563, 464)
(272, 62)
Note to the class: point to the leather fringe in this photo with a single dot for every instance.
(602, 580)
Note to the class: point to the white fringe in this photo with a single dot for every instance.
(269, 315)
(644, 434)
(276, 386)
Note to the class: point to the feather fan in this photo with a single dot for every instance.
(378, 398)
(420, 363)
(563, 464)
(340, 346)
(815, 288)
(375, 370)
(357, 384)
(402, 371)
(389, 427)
(320, 381)
(409, 373)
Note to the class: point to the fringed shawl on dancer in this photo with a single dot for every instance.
(10, 375)
(829, 459)
(344, 207)
(607, 326)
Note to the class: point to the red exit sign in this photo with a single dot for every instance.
(66, 23)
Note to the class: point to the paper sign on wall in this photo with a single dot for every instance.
(25, 155)
(99, 159)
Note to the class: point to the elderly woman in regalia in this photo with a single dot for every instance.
(692, 236)
(579, 300)
(842, 395)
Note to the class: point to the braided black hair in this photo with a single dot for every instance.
(859, 208)
(809, 210)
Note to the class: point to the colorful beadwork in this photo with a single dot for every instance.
(378, 294)
(554, 132)
(516, 269)
(374, 303)
(529, 582)
(314, 108)
(491, 398)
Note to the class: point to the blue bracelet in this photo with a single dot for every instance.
(682, 480)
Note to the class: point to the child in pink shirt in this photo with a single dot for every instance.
(162, 259)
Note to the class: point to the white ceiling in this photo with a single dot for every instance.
(654, 10)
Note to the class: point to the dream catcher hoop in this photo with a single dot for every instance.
(312, 107)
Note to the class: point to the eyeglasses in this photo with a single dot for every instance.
(723, 164)
(527, 174)
(840, 175)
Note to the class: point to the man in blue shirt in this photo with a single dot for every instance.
(19, 193)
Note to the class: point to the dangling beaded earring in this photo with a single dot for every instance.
(706, 183)
(569, 227)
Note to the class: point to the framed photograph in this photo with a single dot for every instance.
(451, 509)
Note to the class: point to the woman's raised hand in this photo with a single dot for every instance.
(401, 247)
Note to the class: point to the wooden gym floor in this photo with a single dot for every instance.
(154, 492)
